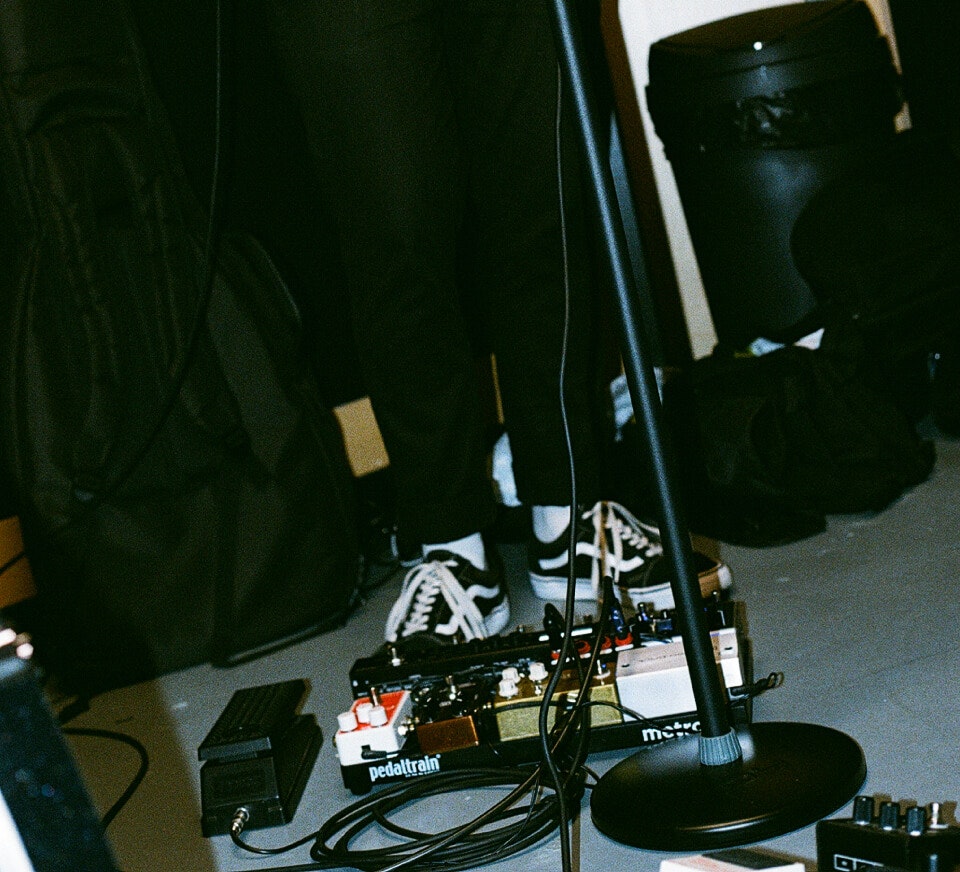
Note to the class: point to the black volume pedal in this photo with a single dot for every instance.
(258, 757)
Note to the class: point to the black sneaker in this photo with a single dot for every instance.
(449, 598)
(609, 538)
(652, 586)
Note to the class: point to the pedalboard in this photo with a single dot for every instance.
(258, 757)
(881, 833)
(423, 706)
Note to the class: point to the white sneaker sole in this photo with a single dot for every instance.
(549, 587)
(660, 597)
(715, 579)
(498, 619)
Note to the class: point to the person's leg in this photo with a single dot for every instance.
(530, 260)
(372, 83)
(372, 79)
(534, 271)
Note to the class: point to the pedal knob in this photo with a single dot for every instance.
(378, 716)
(537, 671)
(507, 688)
(936, 821)
(363, 712)
(863, 810)
(347, 721)
(889, 815)
(916, 822)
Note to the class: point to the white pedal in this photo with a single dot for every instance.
(655, 682)
(373, 728)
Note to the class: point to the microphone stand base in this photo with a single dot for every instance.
(790, 775)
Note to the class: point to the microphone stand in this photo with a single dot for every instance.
(726, 786)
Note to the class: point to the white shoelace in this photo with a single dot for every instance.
(414, 607)
(625, 528)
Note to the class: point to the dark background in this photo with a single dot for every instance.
(928, 39)
(268, 186)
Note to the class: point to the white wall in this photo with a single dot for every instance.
(643, 23)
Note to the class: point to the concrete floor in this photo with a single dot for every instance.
(861, 619)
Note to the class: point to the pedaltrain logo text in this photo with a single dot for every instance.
(405, 768)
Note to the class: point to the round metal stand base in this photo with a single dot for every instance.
(664, 799)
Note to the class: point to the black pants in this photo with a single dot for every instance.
(434, 128)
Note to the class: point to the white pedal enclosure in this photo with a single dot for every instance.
(371, 731)
(654, 680)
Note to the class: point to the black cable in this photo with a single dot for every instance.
(141, 773)
(73, 710)
(747, 692)
(569, 602)
(752, 691)
(300, 867)
(460, 847)
(668, 732)
(236, 829)
(13, 561)
(465, 846)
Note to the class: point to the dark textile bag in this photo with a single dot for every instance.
(770, 445)
(881, 243)
(184, 493)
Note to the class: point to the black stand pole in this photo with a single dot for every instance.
(726, 786)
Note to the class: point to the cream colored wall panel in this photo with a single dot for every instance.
(361, 437)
